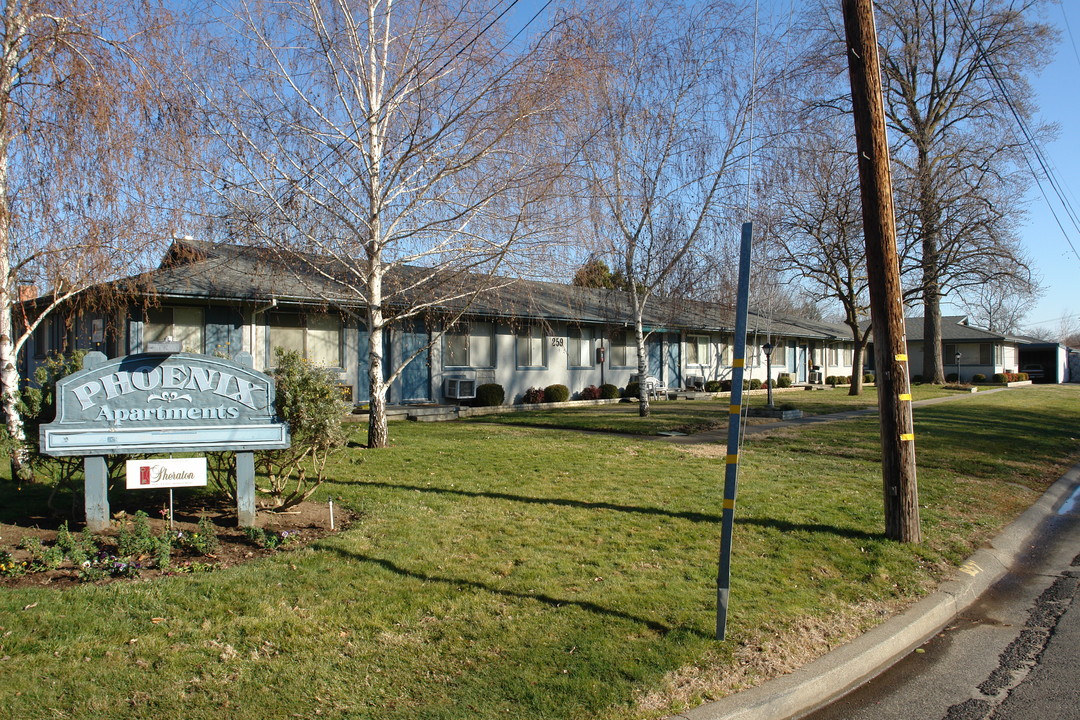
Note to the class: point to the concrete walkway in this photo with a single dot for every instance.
(720, 436)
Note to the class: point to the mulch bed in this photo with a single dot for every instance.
(305, 523)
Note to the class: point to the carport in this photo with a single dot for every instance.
(1051, 356)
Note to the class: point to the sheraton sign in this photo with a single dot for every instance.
(164, 403)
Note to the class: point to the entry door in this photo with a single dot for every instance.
(674, 366)
(654, 351)
(801, 363)
(416, 377)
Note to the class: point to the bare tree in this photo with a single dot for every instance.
(818, 230)
(84, 162)
(664, 123)
(955, 72)
(391, 149)
(1001, 306)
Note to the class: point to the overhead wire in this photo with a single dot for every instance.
(1044, 163)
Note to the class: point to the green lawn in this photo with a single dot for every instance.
(507, 571)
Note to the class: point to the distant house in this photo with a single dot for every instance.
(223, 299)
(967, 351)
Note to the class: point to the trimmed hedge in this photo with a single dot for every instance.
(714, 386)
(489, 395)
(783, 380)
(978, 378)
(632, 390)
(868, 377)
(609, 391)
(556, 393)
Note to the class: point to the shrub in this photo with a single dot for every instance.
(556, 393)
(978, 378)
(489, 395)
(868, 377)
(533, 396)
(714, 386)
(783, 380)
(725, 386)
(847, 379)
(632, 390)
(831, 380)
(609, 391)
(590, 393)
(999, 378)
(755, 384)
(1022, 376)
(308, 398)
(952, 377)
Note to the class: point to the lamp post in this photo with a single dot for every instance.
(767, 348)
(957, 358)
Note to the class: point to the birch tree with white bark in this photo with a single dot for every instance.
(394, 149)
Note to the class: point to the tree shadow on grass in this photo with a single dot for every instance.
(554, 602)
(782, 525)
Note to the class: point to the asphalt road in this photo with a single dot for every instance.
(1013, 655)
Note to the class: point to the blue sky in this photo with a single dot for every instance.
(1059, 102)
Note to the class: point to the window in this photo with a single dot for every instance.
(779, 354)
(181, 324)
(316, 337)
(470, 346)
(530, 347)
(698, 350)
(579, 347)
(987, 356)
(47, 337)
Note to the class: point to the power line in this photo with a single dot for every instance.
(1044, 163)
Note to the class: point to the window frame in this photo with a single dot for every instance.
(305, 326)
(525, 337)
(581, 356)
(468, 332)
(695, 340)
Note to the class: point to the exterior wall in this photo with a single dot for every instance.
(230, 328)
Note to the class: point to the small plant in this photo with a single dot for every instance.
(489, 395)
(42, 558)
(556, 393)
(1000, 378)
(783, 380)
(831, 380)
(952, 377)
(633, 390)
(204, 541)
(978, 378)
(714, 386)
(868, 377)
(270, 540)
(755, 384)
(609, 391)
(137, 539)
(590, 393)
(533, 396)
(9, 567)
(725, 386)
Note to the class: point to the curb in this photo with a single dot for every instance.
(856, 662)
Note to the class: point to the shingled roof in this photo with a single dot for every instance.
(200, 270)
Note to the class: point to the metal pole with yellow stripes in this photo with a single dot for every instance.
(731, 470)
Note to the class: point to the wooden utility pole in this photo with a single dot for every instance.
(883, 274)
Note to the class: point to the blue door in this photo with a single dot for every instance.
(674, 364)
(416, 377)
(654, 350)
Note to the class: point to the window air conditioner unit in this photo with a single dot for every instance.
(459, 388)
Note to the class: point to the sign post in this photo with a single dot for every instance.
(164, 403)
